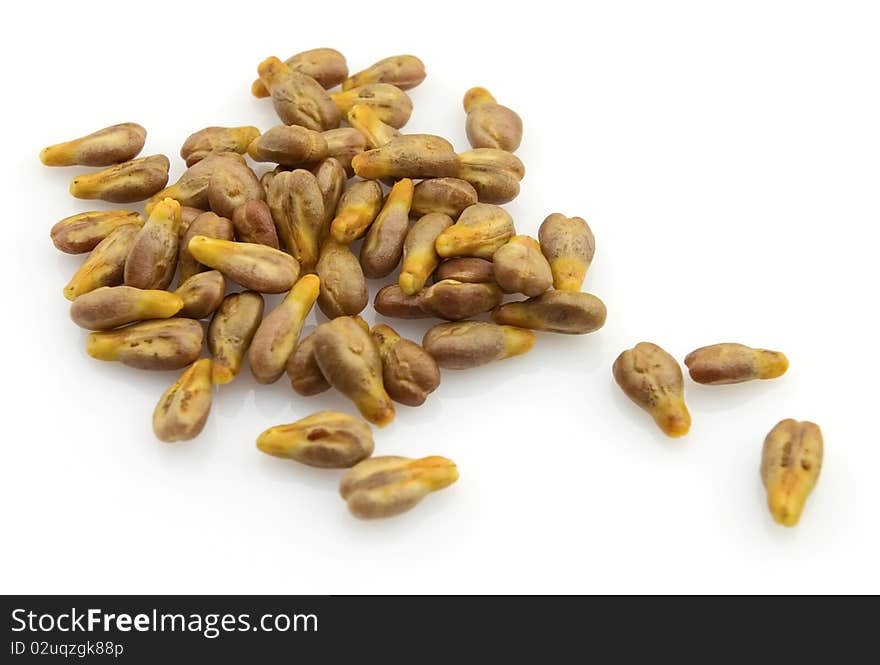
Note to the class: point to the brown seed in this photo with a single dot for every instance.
(231, 331)
(305, 376)
(489, 124)
(383, 246)
(343, 287)
(289, 145)
(375, 132)
(253, 223)
(652, 379)
(111, 145)
(403, 71)
(409, 373)
(191, 189)
(202, 294)
(298, 99)
(158, 345)
(495, 174)
(420, 257)
(343, 144)
(357, 209)
(82, 232)
(569, 246)
(105, 265)
(231, 186)
(391, 104)
(188, 216)
(217, 139)
(481, 230)
(447, 195)
(326, 65)
(467, 344)
(277, 334)
(130, 181)
(568, 312)
(255, 267)
(734, 363)
(153, 256)
(790, 466)
(465, 269)
(112, 306)
(519, 267)
(408, 156)
(183, 410)
(332, 178)
(297, 207)
(388, 486)
(327, 439)
(349, 359)
(207, 224)
(454, 301)
(393, 302)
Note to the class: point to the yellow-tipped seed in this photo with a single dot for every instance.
(481, 230)
(327, 439)
(403, 71)
(569, 246)
(420, 257)
(111, 145)
(255, 267)
(790, 466)
(82, 232)
(734, 363)
(357, 209)
(159, 344)
(231, 331)
(365, 119)
(217, 139)
(383, 245)
(183, 410)
(467, 344)
(153, 257)
(130, 181)
(113, 306)
(105, 265)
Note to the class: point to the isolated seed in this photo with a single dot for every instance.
(357, 209)
(466, 269)
(383, 246)
(734, 363)
(651, 378)
(130, 181)
(447, 195)
(343, 287)
(113, 306)
(207, 224)
(327, 439)
(253, 223)
(489, 124)
(408, 156)
(231, 331)
(297, 207)
(469, 344)
(326, 65)
(255, 267)
(105, 265)
(290, 145)
(480, 231)
(183, 410)
(569, 246)
(388, 486)
(790, 466)
(495, 174)
(153, 256)
(403, 71)
(332, 178)
(191, 189)
(568, 312)
(391, 301)
(454, 301)
(409, 373)
(519, 267)
(298, 99)
(217, 139)
(366, 120)
(391, 104)
(202, 294)
(82, 232)
(349, 359)
(159, 345)
(277, 334)
(305, 376)
(111, 145)
(420, 257)
(233, 185)
(343, 144)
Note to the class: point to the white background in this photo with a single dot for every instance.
(726, 157)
